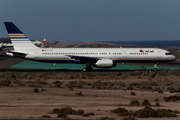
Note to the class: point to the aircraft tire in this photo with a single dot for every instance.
(87, 69)
(84, 70)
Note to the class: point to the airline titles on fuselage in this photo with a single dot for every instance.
(146, 50)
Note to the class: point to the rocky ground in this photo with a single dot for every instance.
(90, 95)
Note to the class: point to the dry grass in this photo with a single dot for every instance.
(63, 112)
(172, 98)
(149, 112)
(121, 112)
(134, 103)
(146, 112)
(145, 102)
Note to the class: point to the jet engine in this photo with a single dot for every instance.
(104, 63)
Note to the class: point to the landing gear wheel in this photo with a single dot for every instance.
(155, 67)
(84, 69)
(87, 69)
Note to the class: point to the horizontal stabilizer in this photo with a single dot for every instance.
(16, 52)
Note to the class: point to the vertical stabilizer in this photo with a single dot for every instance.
(18, 39)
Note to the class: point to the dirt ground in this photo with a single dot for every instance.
(19, 101)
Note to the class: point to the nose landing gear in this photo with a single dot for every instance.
(155, 66)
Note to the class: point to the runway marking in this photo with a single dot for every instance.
(5, 60)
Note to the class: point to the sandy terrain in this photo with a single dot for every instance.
(19, 101)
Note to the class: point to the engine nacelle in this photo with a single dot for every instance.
(104, 63)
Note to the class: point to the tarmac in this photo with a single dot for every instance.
(70, 66)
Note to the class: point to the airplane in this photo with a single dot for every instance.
(3, 45)
(96, 57)
(40, 43)
(37, 42)
(6, 45)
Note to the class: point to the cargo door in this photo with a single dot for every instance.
(124, 54)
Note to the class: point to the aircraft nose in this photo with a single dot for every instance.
(174, 57)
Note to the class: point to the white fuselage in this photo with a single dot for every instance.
(115, 54)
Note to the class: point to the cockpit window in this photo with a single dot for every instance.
(168, 54)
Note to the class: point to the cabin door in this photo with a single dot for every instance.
(159, 56)
(36, 55)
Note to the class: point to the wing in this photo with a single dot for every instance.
(84, 58)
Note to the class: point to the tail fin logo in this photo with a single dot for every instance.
(13, 31)
(19, 40)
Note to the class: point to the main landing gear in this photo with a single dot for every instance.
(88, 67)
(155, 66)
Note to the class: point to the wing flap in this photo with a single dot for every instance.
(84, 58)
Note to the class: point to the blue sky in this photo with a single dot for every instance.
(93, 20)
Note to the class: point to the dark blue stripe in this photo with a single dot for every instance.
(18, 37)
(11, 28)
(19, 40)
(58, 61)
